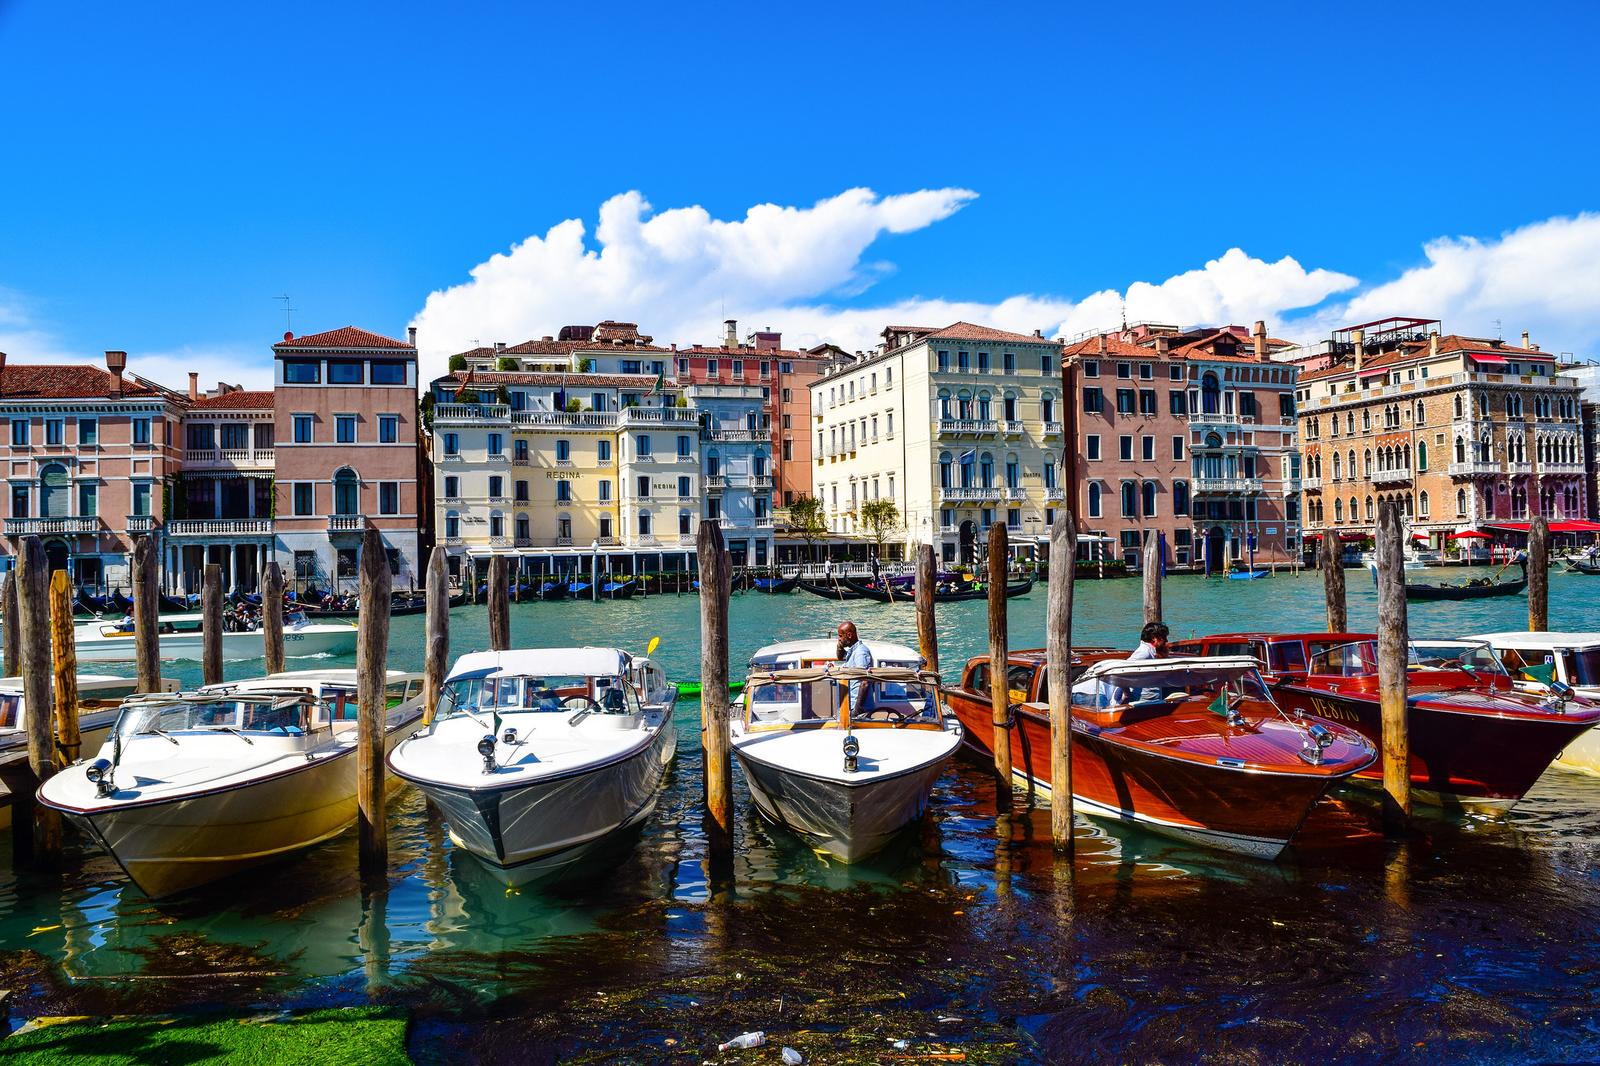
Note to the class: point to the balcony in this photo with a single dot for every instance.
(1015, 493)
(1052, 429)
(452, 540)
(1226, 486)
(347, 523)
(563, 542)
(1519, 469)
(449, 457)
(141, 523)
(970, 492)
(606, 542)
(499, 542)
(1054, 495)
(459, 413)
(716, 482)
(1215, 418)
(522, 542)
(566, 419)
(1391, 477)
(1311, 484)
(761, 481)
(523, 460)
(220, 527)
(1561, 468)
(227, 458)
(660, 416)
(739, 436)
(44, 527)
(968, 427)
(1475, 468)
(1011, 427)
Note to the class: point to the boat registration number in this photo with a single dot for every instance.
(1326, 708)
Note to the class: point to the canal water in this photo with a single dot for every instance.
(1472, 940)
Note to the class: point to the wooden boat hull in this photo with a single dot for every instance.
(1458, 758)
(189, 841)
(542, 829)
(1252, 814)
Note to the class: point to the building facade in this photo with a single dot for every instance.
(223, 499)
(960, 427)
(345, 455)
(737, 468)
(90, 457)
(1461, 432)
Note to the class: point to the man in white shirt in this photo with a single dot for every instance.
(1152, 645)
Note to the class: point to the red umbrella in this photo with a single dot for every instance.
(1474, 534)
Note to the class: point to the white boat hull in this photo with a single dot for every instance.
(333, 640)
(850, 821)
(540, 829)
(179, 844)
(1583, 754)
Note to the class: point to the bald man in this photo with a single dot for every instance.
(853, 652)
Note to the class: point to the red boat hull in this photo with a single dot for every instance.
(1250, 813)
(1458, 756)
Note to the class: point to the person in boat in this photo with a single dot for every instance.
(853, 652)
(126, 625)
(1152, 645)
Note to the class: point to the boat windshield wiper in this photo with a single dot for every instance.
(158, 731)
(236, 731)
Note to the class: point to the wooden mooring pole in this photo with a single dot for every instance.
(927, 633)
(715, 585)
(436, 639)
(1152, 578)
(1392, 641)
(11, 626)
(146, 607)
(1333, 581)
(372, 651)
(272, 617)
(69, 741)
(499, 604)
(1539, 575)
(211, 625)
(1058, 675)
(39, 824)
(999, 661)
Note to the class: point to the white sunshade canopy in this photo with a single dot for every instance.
(790, 653)
(1520, 639)
(1196, 670)
(543, 662)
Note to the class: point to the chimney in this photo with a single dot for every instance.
(1163, 344)
(1525, 343)
(1433, 342)
(1101, 344)
(1038, 333)
(500, 346)
(411, 336)
(545, 338)
(730, 333)
(194, 386)
(116, 362)
(1260, 336)
(1359, 337)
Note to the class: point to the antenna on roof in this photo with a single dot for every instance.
(288, 312)
(1499, 333)
(1124, 316)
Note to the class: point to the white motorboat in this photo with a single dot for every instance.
(195, 786)
(99, 701)
(539, 756)
(845, 757)
(106, 641)
(1560, 665)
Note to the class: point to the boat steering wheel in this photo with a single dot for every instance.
(580, 703)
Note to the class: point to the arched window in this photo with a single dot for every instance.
(984, 411)
(1461, 503)
(1461, 450)
(1210, 394)
(1180, 497)
(946, 465)
(1355, 514)
(1149, 494)
(1422, 503)
(1338, 510)
(1369, 509)
(1336, 466)
(1213, 440)
(452, 525)
(55, 492)
(1047, 407)
(1422, 456)
(1350, 463)
(986, 471)
(346, 492)
(758, 464)
(1367, 462)
(1130, 500)
(1049, 472)
(964, 405)
(1421, 414)
(1458, 405)
(1013, 472)
(713, 463)
(945, 413)
(1094, 499)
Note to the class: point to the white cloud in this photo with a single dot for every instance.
(800, 270)
(1542, 277)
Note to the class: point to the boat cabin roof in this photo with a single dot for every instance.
(543, 662)
(844, 673)
(1198, 666)
(1320, 637)
(1519, 639)
(308, 679)
(793, 652)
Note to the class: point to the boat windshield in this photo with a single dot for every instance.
(1134, 687)
(1471, 657)
(814, 702)
(1583, 666)
(261, 715)
(522, 692)
(1358, 658)
(10, 711)
(891, 696)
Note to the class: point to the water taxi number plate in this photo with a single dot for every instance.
(1325, 708)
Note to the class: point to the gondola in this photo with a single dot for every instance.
(176, 604)
(836, 591)
(92, 605)
(975, 592)
(1248, 575)
(581, 589)
(619, 590)
(1476, 589)
(554, 590)
(1582, 566)
(119, 602)
(774, 584)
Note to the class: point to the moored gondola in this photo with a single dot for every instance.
(834, 589)
(1476, 589)
(946, 594)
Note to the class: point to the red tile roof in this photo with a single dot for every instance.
(1089, 348)
(238, 400)
(67, 381)
(347, 338)
(1416, 351)
(491, 378)
(717, 351)
(966, 331)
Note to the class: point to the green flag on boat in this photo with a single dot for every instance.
(1543, 673)
(1220, 704)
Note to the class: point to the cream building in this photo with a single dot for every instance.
(960, 427)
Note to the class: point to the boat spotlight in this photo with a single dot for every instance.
(1561, 693)
(486, 749)
(509, 737)
(99, 775)
(852, 749)
(1318, 737)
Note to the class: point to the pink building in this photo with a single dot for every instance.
(222, 508)
(89, 455)
(345, 451)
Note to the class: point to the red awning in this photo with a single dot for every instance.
(1352, 537)
(1488, 358)
(1514, 527)
(1575, 525)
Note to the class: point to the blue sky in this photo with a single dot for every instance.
(169, 170)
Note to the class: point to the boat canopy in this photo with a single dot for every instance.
(1200, 670)
(792, 653)
(843, 673)
(543, 662)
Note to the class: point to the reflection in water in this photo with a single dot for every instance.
(969, 927)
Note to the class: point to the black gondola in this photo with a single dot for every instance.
(1476, 589)
(554, 590)
(119, 602)
(176, 604)
(619, 590)
(1583, 566)
(774, 584)
(88, 604)
(973, 592)
(837, 590)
